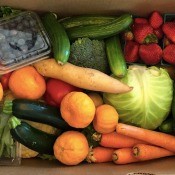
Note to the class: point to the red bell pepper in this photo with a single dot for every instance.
(56, 90)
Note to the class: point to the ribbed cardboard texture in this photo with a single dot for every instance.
(164, 166)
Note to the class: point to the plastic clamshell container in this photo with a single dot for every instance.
(15, 157)
(23, 41)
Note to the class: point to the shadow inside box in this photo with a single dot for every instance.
(167, 18)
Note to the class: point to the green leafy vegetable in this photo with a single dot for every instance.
(89, 53)
(8, 11)
(149, 103)
(7, 144)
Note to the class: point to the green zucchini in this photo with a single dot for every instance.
(35, 111)
(31, 137)
(85, 20)
(101, 31)
(115, 56)
(58, 37)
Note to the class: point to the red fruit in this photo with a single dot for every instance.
(169, 30)
(131, 51)
(56, 90)
(140, 21)
(143, 34)
(128, 36)
(150, 54)
(155, 20)
(5, 80)
(169, 54)
(159, 33)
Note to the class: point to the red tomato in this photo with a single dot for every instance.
(5, 80)
(56, 90)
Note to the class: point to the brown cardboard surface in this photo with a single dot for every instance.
(71, 7)
(164, 166)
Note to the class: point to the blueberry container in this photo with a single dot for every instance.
(23, 41)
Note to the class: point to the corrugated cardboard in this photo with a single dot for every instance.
(164, 166)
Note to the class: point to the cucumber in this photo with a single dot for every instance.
(31, 137)
(85, 20)
(58, 37)
(36, 111)
(101, 31)
(115, 56)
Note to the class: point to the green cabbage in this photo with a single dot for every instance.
(149, 103)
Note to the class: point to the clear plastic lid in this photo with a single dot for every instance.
(23, 41)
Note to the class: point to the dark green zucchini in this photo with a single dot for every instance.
(58, 37)
(35, 111)
(31, 137)
(115, 56)
(85, 20)
(101, 31)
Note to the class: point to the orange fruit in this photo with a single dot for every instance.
(71, 148)
(77, 109)
(106, 119)
(27, 83)
(1, 92)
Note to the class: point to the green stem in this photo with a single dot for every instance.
(13, 122)
(7, 107)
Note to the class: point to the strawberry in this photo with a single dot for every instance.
(131, 51)
(169, 54)
(169, 30)
(143, 34)
(155, 20)
(158, 32)
(150, 54)
(140, 21)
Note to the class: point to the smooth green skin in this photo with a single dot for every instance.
(101, 31)
(58, 37)
(31, 137)
(38, 112)
(115, 56)
(85, 20)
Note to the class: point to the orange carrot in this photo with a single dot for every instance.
(152, 137)
(124, 156)
(115, 140)
(99, 155)
(149, 152)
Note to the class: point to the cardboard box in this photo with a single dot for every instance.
(163, 166)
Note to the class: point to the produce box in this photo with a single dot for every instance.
(72, 8)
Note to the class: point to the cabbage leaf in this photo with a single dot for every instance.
(149, 103)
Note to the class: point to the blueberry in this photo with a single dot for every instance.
(13, 32)
(21, 42)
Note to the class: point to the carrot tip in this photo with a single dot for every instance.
(90, 157)
(96, 136)
(136, 151)
(114, 157)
